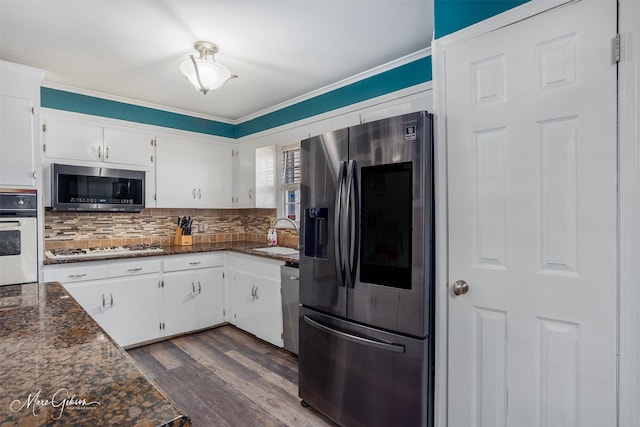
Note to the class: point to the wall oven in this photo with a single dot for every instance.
(18, 237)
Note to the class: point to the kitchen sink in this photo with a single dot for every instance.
(279, 250)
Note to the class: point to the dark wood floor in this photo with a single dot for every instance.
(226, 377)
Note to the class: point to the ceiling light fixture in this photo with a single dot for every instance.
(205, 73)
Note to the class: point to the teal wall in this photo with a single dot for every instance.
(449, 16)
(404, 76)
(453, 15)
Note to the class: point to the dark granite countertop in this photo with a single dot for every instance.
(245, 247)
(58, 367)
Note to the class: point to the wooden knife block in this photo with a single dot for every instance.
(182, 240)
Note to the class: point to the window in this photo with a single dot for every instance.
(291, 174)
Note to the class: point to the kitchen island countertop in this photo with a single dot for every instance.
(58, 367)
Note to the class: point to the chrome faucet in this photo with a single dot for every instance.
(294, 226)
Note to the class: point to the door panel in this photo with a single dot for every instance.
(531, 140)
(393, 161)
(323, 158)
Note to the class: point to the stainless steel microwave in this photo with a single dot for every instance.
(84, 189)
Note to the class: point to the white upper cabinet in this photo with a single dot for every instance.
(244, 190)
(193, 173)
(75, 140)
(129, 147)
(16, 142)
(19, 123)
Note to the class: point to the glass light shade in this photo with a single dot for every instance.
(212, 74)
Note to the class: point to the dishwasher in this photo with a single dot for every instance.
(289, 274)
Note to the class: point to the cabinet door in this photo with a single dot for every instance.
(73, 140)
(176, 166)
(133, 306)
(91, 296)
(210, 298)
(268, 310)
(16, 142)
(244, 177)
(214, 187)
(180, 305)
(258, 306)
(128, 147)
(127, 308)
(243, 300)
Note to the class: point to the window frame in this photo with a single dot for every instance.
(283, 187)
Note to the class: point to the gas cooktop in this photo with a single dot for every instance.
(111, 251)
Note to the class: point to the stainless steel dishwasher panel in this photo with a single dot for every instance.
(290, 309)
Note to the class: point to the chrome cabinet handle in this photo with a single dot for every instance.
(99, 152)
(250, 193)
(193, 193)
(195, 263)
(254, 293)
(133, 270)
(193, 288)
(77, 276)
(199, 288)
(104, 301)
(199, 194)
(460, 288)
(106, 154)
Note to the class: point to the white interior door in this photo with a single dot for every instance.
(531, 140)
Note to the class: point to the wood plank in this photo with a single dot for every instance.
(264, 393)
(226, 377)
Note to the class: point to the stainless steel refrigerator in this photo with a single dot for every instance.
(366, 273)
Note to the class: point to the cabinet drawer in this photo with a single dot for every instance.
(130, 268)
(76, 273)
(193, 261)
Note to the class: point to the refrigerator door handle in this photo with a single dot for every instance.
(337, 227)
(353, 219)
(396, 348)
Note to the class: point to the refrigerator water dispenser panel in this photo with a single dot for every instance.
(316, 232)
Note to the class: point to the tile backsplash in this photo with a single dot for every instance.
(98, 229)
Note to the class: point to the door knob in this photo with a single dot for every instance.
(460, 288)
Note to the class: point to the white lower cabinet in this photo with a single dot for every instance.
(128, 309)
(142, 300)
(254, 283)
(193, 292)
(124, 297)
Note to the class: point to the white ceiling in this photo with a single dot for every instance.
(280, 49)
